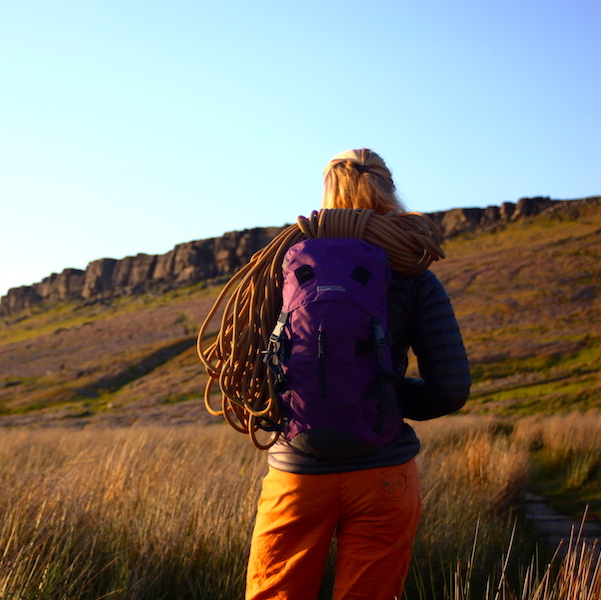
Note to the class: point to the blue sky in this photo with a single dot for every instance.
(131, 126)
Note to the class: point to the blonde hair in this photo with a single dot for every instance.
(360, 179)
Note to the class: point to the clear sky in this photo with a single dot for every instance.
(130, 126)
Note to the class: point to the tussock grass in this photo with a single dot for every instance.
(156, 512)
(566, 458)
(471, 481)
(131, 513)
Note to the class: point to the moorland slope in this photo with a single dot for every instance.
(526, 292)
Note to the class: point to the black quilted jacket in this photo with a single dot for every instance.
(420, 317)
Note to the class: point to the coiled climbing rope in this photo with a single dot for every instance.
(252, 300)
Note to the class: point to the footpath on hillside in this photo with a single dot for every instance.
(561, 532)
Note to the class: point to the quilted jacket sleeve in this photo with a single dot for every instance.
(432, 331)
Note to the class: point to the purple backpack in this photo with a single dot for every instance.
(329, 349)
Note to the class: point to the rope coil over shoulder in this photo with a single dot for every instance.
(252, 299)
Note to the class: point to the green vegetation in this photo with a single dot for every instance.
(44, 320)
(566, 460)
(90, 359)
(526, 296)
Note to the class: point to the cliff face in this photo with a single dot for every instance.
(105, 278)
(460, 220)
(200, 260)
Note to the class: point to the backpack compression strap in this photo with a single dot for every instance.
(274, 355)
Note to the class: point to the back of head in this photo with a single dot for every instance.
(360, 179)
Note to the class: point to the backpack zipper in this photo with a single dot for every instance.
(321, 363)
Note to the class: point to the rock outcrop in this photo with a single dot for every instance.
(105, 278)
(209, 259)
(459, 220)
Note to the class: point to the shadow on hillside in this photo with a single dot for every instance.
(115, 381)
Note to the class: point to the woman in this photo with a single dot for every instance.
(370, 503)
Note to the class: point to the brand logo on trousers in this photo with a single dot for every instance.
(393, 485)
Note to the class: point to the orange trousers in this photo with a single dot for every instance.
(374, 514)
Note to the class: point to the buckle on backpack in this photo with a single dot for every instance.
(379, 333)
(276, 334)
(274, 355)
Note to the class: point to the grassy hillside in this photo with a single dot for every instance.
(526, 295)
(528, 300)
(129, 360)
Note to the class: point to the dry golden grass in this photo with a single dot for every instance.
(156, 512)
(125, 512)
(474, 473)
(567, 458)
(560, 435)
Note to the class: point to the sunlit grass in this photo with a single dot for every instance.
(157, 512)
(46, 319)
(566, 459)
(134, 513)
